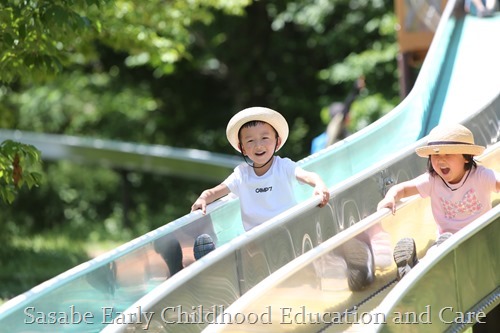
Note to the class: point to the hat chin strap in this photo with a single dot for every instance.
(263, 165)
(454, 189)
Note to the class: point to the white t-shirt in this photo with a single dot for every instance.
(453, 210)
(263, 197)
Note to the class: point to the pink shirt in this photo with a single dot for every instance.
(453, 210)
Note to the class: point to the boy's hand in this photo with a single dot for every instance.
(322, 191)
(208, 196)
(200, 204)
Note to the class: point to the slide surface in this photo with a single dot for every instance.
(245, 275)
(234, 272)
(449, 288)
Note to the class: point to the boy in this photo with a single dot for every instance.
(264, 185)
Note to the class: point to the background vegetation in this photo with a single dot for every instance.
(169, 73)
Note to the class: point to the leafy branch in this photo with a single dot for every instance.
(18, 167)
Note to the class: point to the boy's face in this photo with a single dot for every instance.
(259, 142)
(451, 167)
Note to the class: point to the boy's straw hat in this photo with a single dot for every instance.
(257, 113)
(450, 139)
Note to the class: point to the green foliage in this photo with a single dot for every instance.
(40, 38)
(173, 73)
(37, 259)
(225, 62)
(220, 56)
(75, 103)
(18, 166)
(366, 110)
(37, 35)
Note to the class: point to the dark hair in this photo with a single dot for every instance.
(469, 164)
(253, 123)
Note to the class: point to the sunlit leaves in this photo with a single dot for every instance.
(38, 34)
(19, 166)
(93, 104)
(355, 65)
(41, 37)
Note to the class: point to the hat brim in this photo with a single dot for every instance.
(273, 118)
(465, 149)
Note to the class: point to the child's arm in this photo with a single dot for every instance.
(396, 193)
(314, 180)
(208, 196)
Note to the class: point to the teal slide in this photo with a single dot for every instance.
(90, 296)
(454, 286)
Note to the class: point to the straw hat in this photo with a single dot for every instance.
(257, 113)
(450, 139)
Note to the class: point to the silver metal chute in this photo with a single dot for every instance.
(312, 293)
(179, 162)
(235, 273)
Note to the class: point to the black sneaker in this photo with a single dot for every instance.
(360, 264)
(442, 238)
(203, 245)
(405, 256)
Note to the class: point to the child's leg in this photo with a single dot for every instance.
(360, 264)
(380, 242)
(439, 241)
(405, 253)
(169, 248)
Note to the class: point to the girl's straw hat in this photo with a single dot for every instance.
(257, 113)
(450, 139)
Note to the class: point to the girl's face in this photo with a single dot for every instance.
(451, 167)
(259, 142)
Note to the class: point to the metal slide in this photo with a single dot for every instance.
(450, 288)
(180, 162)
(88, 297)
(233, 272)
(199, 293)
(244, 276)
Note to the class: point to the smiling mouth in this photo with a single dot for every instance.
(261, 153)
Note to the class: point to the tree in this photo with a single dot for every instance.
(42, 37)
(173, 73)
(18, 166)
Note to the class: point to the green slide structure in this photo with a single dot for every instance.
(452, 287)
(92, 295)
(291, 268)
(187, 163)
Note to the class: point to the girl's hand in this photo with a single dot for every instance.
(388, 202)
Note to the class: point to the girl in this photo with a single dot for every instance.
(459, 189)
